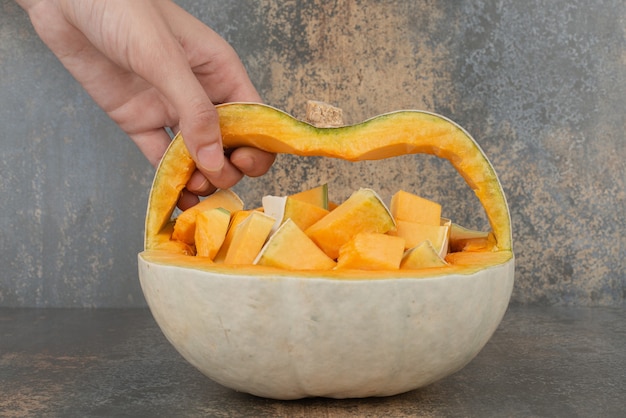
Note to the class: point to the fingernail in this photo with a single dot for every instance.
(211, 158)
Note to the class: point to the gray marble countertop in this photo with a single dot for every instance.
(541, 362)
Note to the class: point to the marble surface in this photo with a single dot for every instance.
(541, 362)
(540, 85)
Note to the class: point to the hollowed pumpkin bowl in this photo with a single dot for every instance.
(293, 334)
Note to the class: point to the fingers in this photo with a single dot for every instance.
(243, 161)
(251, 161)
(199, 184)
(187, 200)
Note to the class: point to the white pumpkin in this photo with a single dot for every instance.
(290, 334)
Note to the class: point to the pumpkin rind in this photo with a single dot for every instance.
(279, 337)
(385, 136)
(388, 135)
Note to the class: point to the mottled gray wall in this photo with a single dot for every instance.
(540, 84)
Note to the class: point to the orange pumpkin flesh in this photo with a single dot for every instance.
(363, 211)
(371, 251)
(286, 247)
(185, 225)
(385, 136)
(248, 239)
(412, 208)
(236, 219)
(210, 232)
(302, 213)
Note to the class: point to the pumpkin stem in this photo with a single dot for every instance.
(323, 115)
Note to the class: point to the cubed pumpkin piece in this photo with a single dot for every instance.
(290, 248)
(363, 211)
(175, 247)
(248, 238)
(211, 228)
(235, 219)
(185, 226)
(415, 233)
(410, 207)
(317, 196)
(464, 239)
(422, 256)
(475, 244)
(163, 242)
(304, 214)
(371, 251)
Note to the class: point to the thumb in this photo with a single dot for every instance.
(199, 125)
(198, 117)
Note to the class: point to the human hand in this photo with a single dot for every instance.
(151, 65)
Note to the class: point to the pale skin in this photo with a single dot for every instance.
(150, 65)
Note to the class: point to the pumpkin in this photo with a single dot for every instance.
(289, 334)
